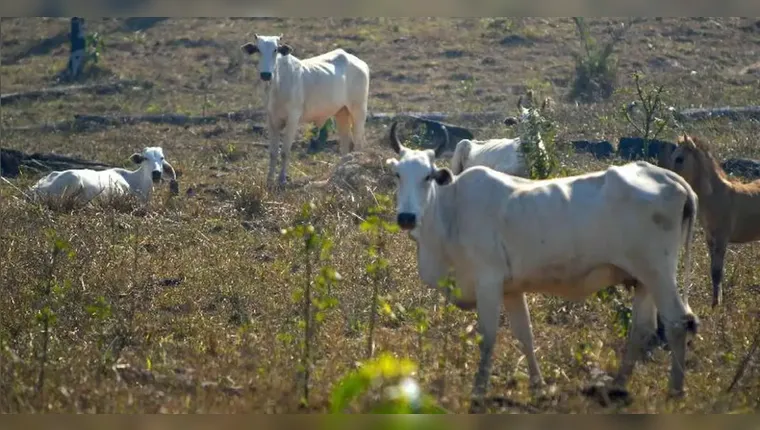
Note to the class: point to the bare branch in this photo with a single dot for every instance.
(743, 365)
(630, 121)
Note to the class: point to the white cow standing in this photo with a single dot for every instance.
(87, 184)
(505, 236)
(314, 89)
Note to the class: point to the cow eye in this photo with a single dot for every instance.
(679, 160)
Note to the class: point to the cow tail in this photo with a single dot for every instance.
(689, 220)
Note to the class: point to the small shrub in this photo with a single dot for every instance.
(249, 201)
(95, 47)
(377, 268)
(537, 126)
(320, 133)
(317, 299)
(623, 314)
(389, 387)
(595, 65)
(656, 116)
(50, 295)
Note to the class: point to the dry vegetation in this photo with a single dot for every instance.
(188, 305)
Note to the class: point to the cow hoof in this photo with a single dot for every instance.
(174, 187)
(477, 406)
(607, 395)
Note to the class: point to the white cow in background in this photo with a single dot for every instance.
(314, 89)
(504, 155)
(86, 184)
(505, 236)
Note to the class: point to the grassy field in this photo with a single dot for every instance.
(191, 305)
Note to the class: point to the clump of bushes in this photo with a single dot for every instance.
(596, 64)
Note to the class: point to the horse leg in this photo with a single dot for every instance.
(717, 244)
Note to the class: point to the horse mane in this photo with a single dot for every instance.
(705, 148)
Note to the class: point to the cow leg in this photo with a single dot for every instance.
(274, 149)
(660, 339)
(359, 116)
(516, 307)
(488, 291)
(717, 245)
(678, 321)
(644, 316)
(288, 136)
(343, 124)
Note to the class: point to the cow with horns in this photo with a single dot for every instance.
(500, 235)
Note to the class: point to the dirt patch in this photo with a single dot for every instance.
(359, 172)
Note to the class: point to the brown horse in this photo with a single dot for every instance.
(729, 210)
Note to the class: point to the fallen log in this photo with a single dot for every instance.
(637, 148)
(744, 167)
(599, 149)
(85, 122)
(53, 92)
(734, 113)
(434, 131)
(12, 161)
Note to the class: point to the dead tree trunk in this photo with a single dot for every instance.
(78, 45)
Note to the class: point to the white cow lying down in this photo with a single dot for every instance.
(314, 89)
(504, 155)
(86, 184)
(505, 236)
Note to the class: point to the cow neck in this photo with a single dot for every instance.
(291, 60)
(428, 220)
(139, 180)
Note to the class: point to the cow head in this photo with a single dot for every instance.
(416, 173)
(152, 160)
(524, 112)
(268, 47)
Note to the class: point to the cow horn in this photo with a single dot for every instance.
(395, 143)
(170, 168)
(444, 144)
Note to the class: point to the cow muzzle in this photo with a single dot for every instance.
(156, 176)
(406, 220)
(266, 76)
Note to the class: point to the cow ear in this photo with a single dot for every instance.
(285, 49)
(249, 48)
(137, 158)
(443, 176)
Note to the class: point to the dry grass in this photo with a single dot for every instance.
(200, 286)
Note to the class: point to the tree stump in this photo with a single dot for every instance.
(77, 55)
